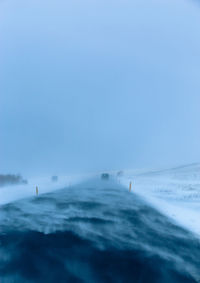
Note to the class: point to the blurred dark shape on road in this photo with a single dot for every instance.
(54, 178)
(105, 176)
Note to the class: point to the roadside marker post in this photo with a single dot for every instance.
(130, 186)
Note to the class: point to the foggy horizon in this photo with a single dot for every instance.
(98, 86)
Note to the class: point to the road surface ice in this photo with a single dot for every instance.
(93, 232)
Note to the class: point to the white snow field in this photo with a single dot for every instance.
(174, 192)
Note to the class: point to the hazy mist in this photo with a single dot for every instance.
(98, 85)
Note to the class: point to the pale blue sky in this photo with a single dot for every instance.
(97, 85)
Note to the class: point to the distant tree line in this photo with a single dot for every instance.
(11, 179)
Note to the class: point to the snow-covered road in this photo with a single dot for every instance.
(95, 231)
(174, 192)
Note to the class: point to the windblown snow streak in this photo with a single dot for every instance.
(94, 232)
